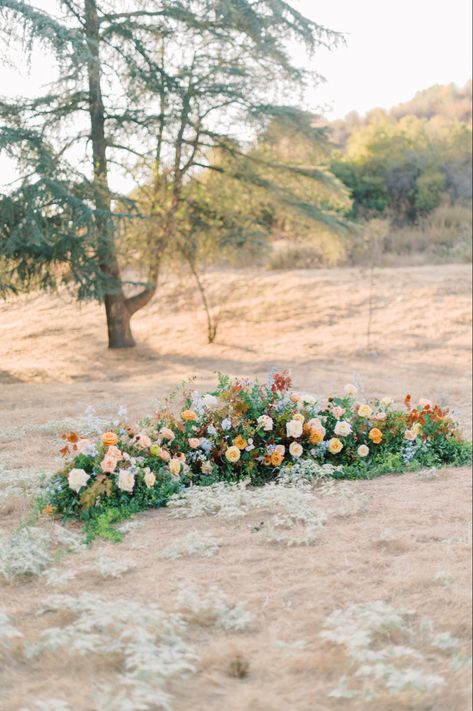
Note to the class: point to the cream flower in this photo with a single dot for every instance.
(380, 416)
(194, 442)
(350, 390)
(266, 422)
(365, 410)
(206, 467)
(387, 401)
(316, 424)
(410, 435)
(77, 478)
(343, 428)
(338, 411)
(295, 449)
(126, 480)
(149, 478)
(232, 454)
(294, 428)
(363, 450)
(334, 446)
(174, 467)
(280, 449)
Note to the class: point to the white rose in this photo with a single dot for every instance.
(343, 428)
(307, 398)
(210, 402)
(126, 480)
(77, 478)
(294, 428)
(295, 449)
(266, 422)
(363, 450)
(149, 478)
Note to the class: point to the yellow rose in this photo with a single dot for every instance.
(365, 411)
(240, 442)
(174, 467)
(375, 435)
(232, 454)
(188, 415)
(109, 439)
(155, 450)
(334, 445)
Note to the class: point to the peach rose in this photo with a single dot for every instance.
(142, 440)
(188, 415)
(168, 434)
(363, 450)
(410, 435)
(338, 411)
(114, 453)
(194, 442)
(108, 464)
(276, 459)
(164, 455)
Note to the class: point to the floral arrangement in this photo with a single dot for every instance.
(245, 430)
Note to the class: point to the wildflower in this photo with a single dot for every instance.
(294, 428)
(343, 428)
(194, 442)
(168, 434)
(334, 445)
(126, 480)
(338, 411)
(149, 478)
(142, 440)
(387, 401)
(109, 439)
(425, 404)
(211, 430)
(155, 450)
(240, 442)
(174, 467)
(266, 422)
(375, 435)
(363, 450)
(232, 454)
(277, 459)
(296, 450)
(350, 390)
(188, 415)
(365, 411)
(48, 510)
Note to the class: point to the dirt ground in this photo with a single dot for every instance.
(410, 548)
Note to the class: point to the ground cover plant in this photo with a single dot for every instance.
(244, 431)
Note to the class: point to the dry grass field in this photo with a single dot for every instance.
(404, 540)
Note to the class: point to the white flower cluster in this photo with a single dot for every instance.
(193, 544)
(365, 631)
(213, 608)
(30, 549)
(149, 641)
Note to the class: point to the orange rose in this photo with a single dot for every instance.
(276, 459)
(375, 435)
(188, 415)
(240, 442)
(109, 439)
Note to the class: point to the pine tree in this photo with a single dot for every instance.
(119, 94)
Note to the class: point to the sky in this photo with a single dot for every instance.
(394, 48)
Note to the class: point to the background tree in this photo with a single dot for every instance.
(120, 92)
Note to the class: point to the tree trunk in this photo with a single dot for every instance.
(118, 316)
